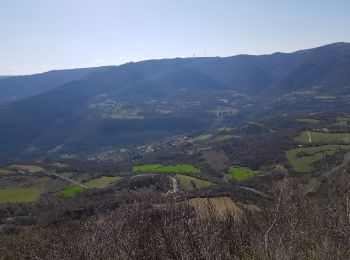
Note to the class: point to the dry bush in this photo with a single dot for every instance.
(290, 228)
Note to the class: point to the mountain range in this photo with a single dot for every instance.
(83, 110)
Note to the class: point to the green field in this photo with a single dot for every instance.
(68, 156)
(302, 159)
(323, 138)
(6, 171)
(325, 98)
(20, 195)
(203, 149)
(222, 138)
(342, 122)
(59, 165)
(102, 181)
(225, 129)
(191, 183)
(252, 128)
(201, 138)
(179, 168)
(27, 168)
(308, 120)
(71, 191)
(241, 173)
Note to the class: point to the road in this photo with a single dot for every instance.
(310, 140)
(338, 167)
(67, 179)
(258, 192)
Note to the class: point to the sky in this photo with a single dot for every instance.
(41, 35)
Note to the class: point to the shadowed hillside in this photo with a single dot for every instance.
(140, 102)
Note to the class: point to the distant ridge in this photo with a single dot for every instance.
(17, 87)
(87, 109)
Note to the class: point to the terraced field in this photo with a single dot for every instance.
(179, 168)
(19, 195)
(191, 183)
(324, 138)
(102, 181)
(241, 173)
(303, 159)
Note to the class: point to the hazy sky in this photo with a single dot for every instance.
(39, 35)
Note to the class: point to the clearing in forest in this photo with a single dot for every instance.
(102, 181)
(302, 159)
(27, 168)
(342, 122)
(220, 205)
(308, 121)
(323, 138)
(191, 183)
(19, 195)
(179, 168)
(201, 138)
(241, 173)
(71, 191)
(6, 171)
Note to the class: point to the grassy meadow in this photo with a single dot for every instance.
(342, 122)
(27, 168)
(19, 195)
(302, 159)
(191, 183)
(6, 171)
(179, 168)
(102, 181)
(323, 138)
(241, 173)
(71, 191)
(201, 138)
(308, 121)
(222, 206)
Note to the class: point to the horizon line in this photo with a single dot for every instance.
(167, 58)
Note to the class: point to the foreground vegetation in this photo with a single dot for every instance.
(288, 228)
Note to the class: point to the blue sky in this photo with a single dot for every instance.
(40, 35)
